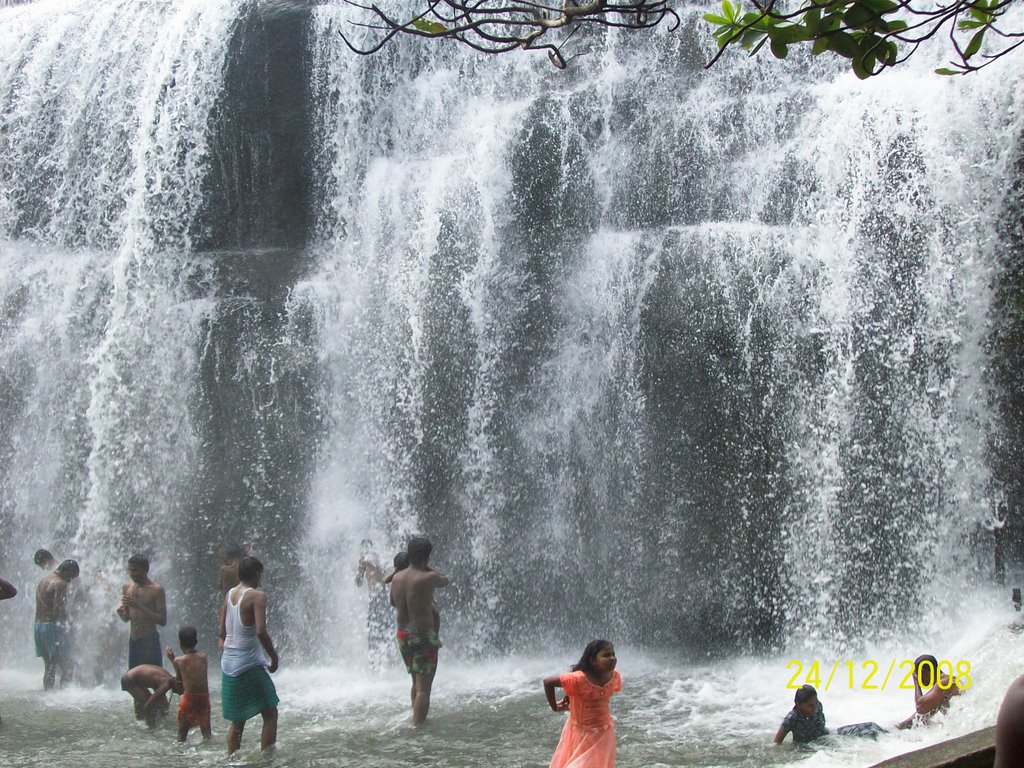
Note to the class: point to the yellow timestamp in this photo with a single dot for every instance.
(869, 675)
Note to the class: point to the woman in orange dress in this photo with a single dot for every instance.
(588, 738)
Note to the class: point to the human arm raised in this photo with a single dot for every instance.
(174, 663)
(122, 610)
(938, 695)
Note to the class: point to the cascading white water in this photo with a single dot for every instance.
(674, 354)
(695, 358)
(691, 359)
(104, 129)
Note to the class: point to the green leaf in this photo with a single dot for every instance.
(832, 22)
(881, 7)
(729, 11)
(791, 33)
(751, 38)
(430, 27)
(779, 49)
(812, 19)
(896, 25)
(947, 71)
(844, 44)
(983, 17)
(975, 45)
(859, 69)
(720, 20)
(859, 15)
(820, 46)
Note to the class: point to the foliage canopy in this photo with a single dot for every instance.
(872, 34)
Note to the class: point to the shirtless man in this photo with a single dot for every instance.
(44, 559)
(228, 574)
(51, 629)
(148, 685)
(940, 689)
(412, 594)
(144, 605)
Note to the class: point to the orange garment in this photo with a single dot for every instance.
(194, 708)
(588, 738)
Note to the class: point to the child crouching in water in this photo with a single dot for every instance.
(194, 707)
(588, 737)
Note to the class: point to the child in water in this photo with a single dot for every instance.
(806, 720)
(588, 737)
(191, 669)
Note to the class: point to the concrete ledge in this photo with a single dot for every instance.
(975, 750)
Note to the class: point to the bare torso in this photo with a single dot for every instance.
(148, 676)
(412, 594)
(193, 669)
(228, 576)
(146, 608)
(51, 599)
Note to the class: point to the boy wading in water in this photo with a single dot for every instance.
(191, 668)
(412, 594)
(246, 688)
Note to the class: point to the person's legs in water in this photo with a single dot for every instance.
(268, 736)
(421, 701)
(235, 736)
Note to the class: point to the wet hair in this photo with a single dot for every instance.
(401, 561)
(586, 662)
(70, 567)
(187, 637)
(419, 548)
(234, 552)
(42, 557)
(925, 667)
(140, 561)
(804, 694)
(248, 567)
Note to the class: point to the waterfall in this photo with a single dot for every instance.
(689, 357)
(695, 359)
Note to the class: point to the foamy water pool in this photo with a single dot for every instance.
(493, 713)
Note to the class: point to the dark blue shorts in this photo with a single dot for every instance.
(51, 639)
(145, 650)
